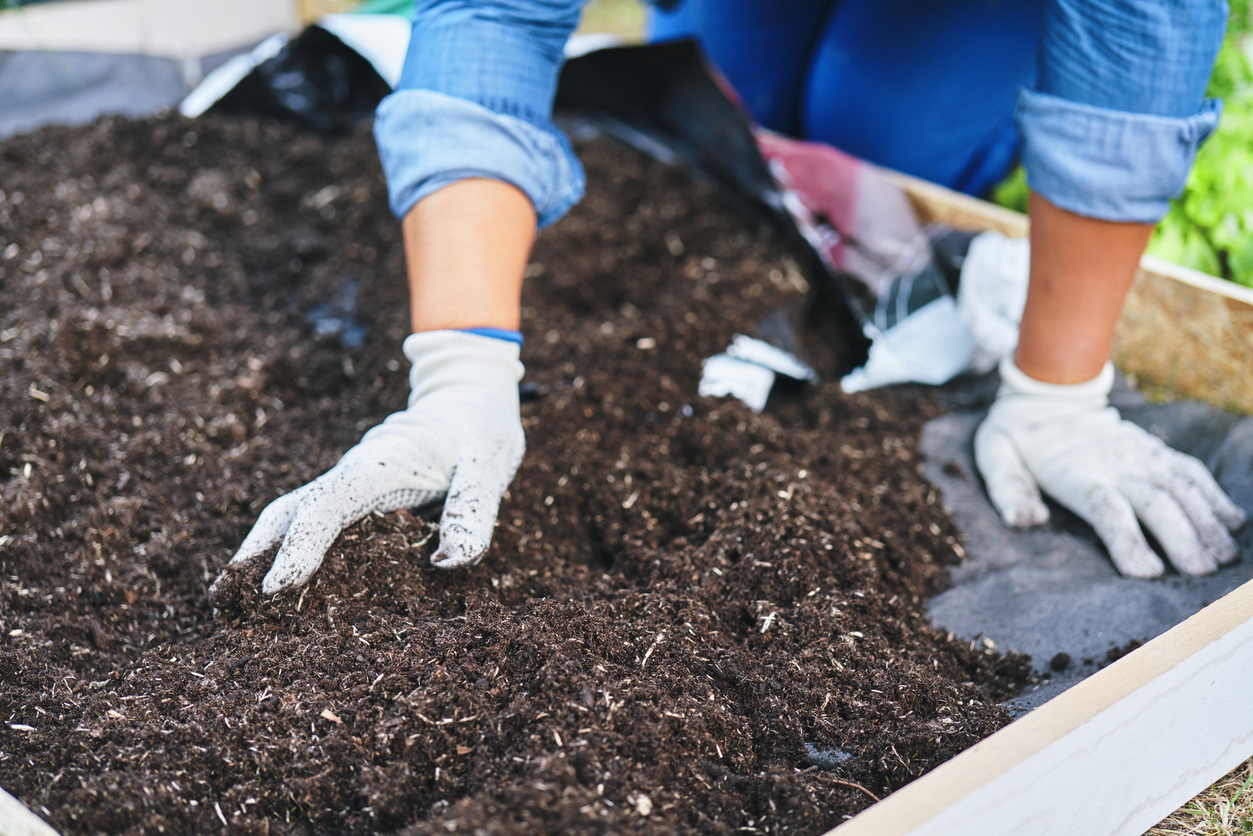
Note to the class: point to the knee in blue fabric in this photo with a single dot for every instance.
(762, 48)
(924, 87)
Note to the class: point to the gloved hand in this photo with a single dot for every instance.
(1068, 442)
(461, 435)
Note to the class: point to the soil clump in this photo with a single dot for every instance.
(693, 618)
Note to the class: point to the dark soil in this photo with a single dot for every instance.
(687, 609)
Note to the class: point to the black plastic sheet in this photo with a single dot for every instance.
(315, 80)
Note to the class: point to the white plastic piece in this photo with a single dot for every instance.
(583, 43)
(932, 345)
(992, 294)
(747, 370)
(223, 80)
(776, 359)
(723, 375)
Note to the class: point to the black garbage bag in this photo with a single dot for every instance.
(665, 94)
(316, 80)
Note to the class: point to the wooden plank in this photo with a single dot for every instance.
(1111, 756)
(1181, 331)
(940, 205)
(1189, 333)
(172, 28)
(17, 820)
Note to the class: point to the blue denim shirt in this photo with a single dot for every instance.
(1110, 129)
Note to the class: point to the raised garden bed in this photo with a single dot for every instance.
(693, 618)
(1120, 750)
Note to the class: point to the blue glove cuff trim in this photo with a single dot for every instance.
(505, 334)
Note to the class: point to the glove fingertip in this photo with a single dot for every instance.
(1029, 511)
(1011, 487)
(458, 547)
(1232, 516)
(1228, 512)
(1201, 564)
(279, 579)
(291, 569)
(454, 558)
(1137, 562)
(1228, 552)
(1217, 545)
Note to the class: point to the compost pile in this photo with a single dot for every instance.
(693, 618)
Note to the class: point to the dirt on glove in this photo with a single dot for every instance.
(694, 619)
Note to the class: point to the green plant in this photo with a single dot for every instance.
(1012, 192)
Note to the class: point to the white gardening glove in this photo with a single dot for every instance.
(461, 436)
(1069, 442)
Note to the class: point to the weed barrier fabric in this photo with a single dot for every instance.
(693, 618)
(46, 87)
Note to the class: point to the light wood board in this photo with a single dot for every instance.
(17, 820)
(172, 28)
(1182, 332)
(1111, 756)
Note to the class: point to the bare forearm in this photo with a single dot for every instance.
(1081, 270)
(466, 246)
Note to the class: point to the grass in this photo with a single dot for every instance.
(1223, 809)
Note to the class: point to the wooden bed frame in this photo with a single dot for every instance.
(1131, 744)
(172, 28)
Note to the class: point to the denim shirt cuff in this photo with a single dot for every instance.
(1109, 164)
(428, 140)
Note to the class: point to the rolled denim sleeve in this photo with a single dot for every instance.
(1109, 164)
(475, 100)
(1119, 111)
